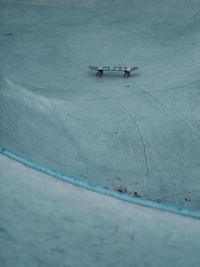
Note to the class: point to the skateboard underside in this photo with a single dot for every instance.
(100, 70)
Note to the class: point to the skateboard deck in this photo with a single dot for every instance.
(100, 70)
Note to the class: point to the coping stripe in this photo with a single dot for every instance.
(99, 189)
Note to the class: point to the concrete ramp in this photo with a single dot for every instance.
(47, 222)
(140, 133)
(138, 136)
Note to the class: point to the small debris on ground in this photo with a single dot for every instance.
(134, 183)
(131, 236)
(158, 200)
(117, 177)
(187, 199)
(136, 194)
(122, 189)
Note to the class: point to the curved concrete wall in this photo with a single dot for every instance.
(141, 133)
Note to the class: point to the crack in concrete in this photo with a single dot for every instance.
(143, 144)
(177, 115)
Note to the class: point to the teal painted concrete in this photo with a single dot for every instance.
(99, 189)
(48, 222)
(140, 134)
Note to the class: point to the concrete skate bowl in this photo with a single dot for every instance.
(139, 135)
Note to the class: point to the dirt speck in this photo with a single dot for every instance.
(187, 199)
(134, 183)
(131, 236)
(158, 200)
(122, 189)
(136, 194)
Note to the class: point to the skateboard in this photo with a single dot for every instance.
(100, 70)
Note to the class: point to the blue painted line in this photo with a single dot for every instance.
(99, 189)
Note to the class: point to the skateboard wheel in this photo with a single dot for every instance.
(99, 73)
(126, 74)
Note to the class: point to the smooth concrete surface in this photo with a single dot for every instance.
(48, 222)
(140, 133)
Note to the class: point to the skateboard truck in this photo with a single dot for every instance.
(100, 73)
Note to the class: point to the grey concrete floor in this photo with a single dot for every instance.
(48, 222)
(141, 133)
